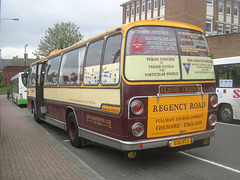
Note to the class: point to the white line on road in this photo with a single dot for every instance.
(211, 162)
(228, 124)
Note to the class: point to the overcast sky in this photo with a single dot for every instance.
(35, 16)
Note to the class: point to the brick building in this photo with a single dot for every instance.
(10, 71)
(222, 17)
(213, 16)
(216, 17)
(10, 67)
(226, 45)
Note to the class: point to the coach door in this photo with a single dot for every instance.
(40, 109)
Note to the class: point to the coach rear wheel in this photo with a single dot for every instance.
(226, 113)
(72, 129)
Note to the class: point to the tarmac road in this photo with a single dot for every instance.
(220, 160)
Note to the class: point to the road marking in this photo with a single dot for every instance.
(211, 162)
(228, 124)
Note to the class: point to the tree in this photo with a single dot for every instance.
(62, 35)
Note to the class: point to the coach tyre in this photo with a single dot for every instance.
(72, 129)
(226, 113)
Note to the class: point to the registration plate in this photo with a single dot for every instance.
(180, 142)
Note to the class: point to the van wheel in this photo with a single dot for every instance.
(72, 129)
(226, 113)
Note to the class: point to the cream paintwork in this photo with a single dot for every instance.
(88, 97)
(31, 92)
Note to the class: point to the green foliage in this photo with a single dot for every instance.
(62, 35)
(0, 77)
(4, 88)
(212, 55)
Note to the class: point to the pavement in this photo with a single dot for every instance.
(28, 151)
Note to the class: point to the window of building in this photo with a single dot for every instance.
(220, 29)
(235, 29)
(235, 11)
(162, 3)
(111, 61)
(72, 67)
(149, 5)
(51, 74)
(143, 6)
(93, 59)
(227, 30)
(210, 2)
(137, 8)
(132, 10)
(155, 4)
(127, 12)
(229, 9)
(221, 7)
(209, 25)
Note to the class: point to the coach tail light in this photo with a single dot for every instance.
(21, 96)
(214, 101)
(137, 107)
(138, 129)
(212, 120)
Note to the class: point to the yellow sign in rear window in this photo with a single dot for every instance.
(176, 115)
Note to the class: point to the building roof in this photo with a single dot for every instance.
(15, 61)
(127, 2)
(4, 63)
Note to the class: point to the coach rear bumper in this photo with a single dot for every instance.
(141, 144)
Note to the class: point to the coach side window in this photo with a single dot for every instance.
(32, 78)
(39, 73)
(72, 67)
(51, 75)
(92, 65)
(112, 54)
(228, 76)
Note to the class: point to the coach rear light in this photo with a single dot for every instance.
(137, 107)
(212, 120)
(21, 96)
(214, 101)
(138, 129)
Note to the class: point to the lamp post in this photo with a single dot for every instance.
(25, 56)
(5, 19)
(9, 19)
